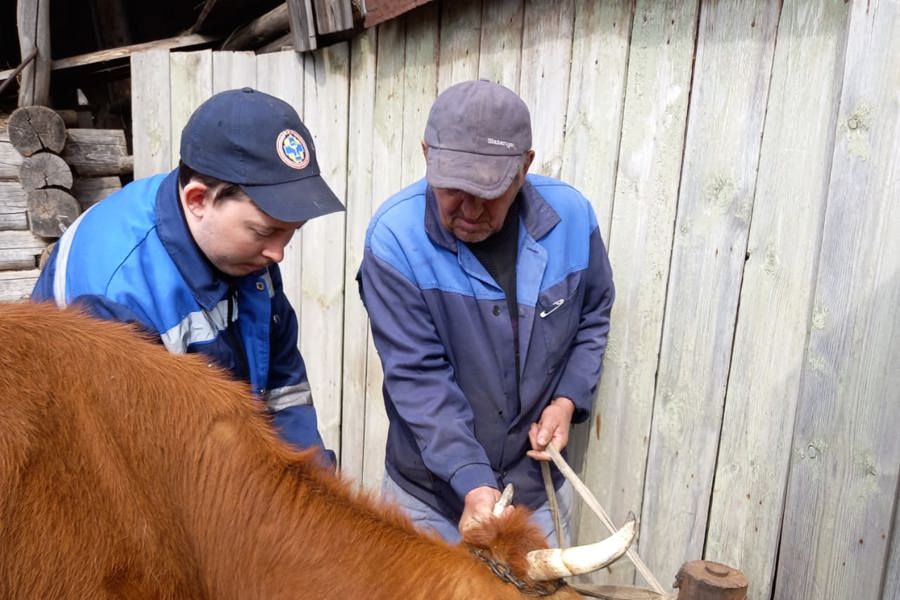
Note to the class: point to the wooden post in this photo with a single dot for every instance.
(33, 21)
(303, 25)
(706, 580)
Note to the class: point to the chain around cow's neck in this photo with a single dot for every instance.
(544, 588)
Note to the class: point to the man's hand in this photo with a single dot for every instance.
(553, 427)
(479, 507)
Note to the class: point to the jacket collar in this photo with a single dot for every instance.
(204, 280)
(537, 215)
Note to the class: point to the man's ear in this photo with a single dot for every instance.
(194, 197)
(529, 158)
(424, 149)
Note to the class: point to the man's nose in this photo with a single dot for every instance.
(274, 252)
(471, 206)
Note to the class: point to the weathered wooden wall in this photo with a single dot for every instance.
(743, 158)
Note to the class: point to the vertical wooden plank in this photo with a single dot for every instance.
(735, 45)
(892, 571)
(232, 70)
(595, 99)
(303, 25)
(546, 55)
(359, 212)
(460, 34)
(777, 290)
(321, 341)
(420, 88)
(333, 16)
(281, 74)
(191, 84)
(151, 118)
(33, 25)
(640, 246)
(846, 450)
(500, 58)
(387, 144)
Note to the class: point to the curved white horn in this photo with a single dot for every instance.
(554, 563)
(505, 499)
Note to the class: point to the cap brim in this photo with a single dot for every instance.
(295, 201)
(483, 175)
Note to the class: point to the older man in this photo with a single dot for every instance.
(489, 292)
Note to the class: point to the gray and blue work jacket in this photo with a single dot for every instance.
(459, 416)
(132, 258)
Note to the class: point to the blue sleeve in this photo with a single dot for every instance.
(419, 380)
(582, 370)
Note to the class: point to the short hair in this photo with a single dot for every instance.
(220, 190)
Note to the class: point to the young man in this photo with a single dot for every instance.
(489, 293)
(190, 256)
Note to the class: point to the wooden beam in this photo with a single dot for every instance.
(17, 285)
(378, 11)
(33, 22)
(125, 52)
(97, 152)
(260, 30)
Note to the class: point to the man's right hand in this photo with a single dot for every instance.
(479, 507)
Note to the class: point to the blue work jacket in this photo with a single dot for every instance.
(441, 326)
(132, 258)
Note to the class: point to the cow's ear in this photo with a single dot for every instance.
(508, 539)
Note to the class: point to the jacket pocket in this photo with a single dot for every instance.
(558, 312)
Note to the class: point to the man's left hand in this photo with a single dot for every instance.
(553, 427)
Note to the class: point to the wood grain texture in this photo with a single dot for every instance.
(151, 117)
(735, 45)
(836, 535)
(640, 250)
(459, 42)
(777, 290)
(191, 83)
(360, 204)
(16, 286)
(321, 341)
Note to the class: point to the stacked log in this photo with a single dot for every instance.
(49, 174)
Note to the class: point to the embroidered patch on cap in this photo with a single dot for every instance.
(292, 149)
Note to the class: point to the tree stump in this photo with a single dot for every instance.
(36, 128)
(44, 170)
(50, 212)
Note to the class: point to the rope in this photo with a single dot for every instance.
(591, 501)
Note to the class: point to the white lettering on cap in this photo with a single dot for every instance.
(495, 142)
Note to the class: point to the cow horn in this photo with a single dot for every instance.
(505, 499)
(554, 563)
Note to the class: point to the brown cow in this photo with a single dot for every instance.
(129, 472)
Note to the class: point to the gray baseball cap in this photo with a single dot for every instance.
(476, 134)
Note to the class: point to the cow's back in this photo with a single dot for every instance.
(83, 512)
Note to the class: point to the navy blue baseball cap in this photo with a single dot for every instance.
(258, 142)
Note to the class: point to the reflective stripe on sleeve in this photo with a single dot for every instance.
(287, 396)
(198, 326)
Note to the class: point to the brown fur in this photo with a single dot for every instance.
(128, 472)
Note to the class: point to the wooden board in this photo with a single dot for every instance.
(191, 84)
(13, 204)
(359, 210)
(151, 117)
(837, 535)
(640, 247)
(325, 106)
(387, 144)
(16, 286)
(777, 292)
(596, 97)
(547, 44)
(499, 57)
(19, 250)
(460, 37)
(10, 159)
(726, 113)
(91, 190)
(233, 70)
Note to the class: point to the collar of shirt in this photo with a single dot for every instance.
(204, 280)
